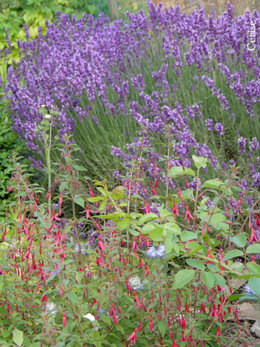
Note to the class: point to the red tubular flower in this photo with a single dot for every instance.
(64, 319)
(44, 298)
(99, 262)
(153, 190)
(132, 336)
(100, 243)
(218, 332)
(187, 215)
(3, 236)
(61, 291)
(257, 220)
(252, 236)
(134, 243)
(151, 324)
(48, 195)
(214, 312)
(174, 209)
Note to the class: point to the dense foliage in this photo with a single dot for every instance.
(145, 137)
(15, 14)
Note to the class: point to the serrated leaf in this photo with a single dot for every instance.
(255, 248)
(197, 264)
(178, 171)
(232, 254)
(182, 278)
(208, 279)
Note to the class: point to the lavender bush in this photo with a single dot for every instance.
(103, 81)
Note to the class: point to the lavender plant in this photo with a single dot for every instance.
(150, 63)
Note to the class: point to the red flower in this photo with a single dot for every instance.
(132, 336)
(187, 215)
(100, 243)
(64, 319)
(48, 195)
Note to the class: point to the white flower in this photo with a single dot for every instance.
(90, 317)
(135, 283)
(50, 308)
(47, 116)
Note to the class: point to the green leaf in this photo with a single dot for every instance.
(80, 201)
(219, 280)
(197, 264)
(168, 244)
(194, 249)
(124, 224)
(79, 168)
(208, 279)
(178, 171)
(232, 254)
(156, 234)
(200, 161)
(239, 240)
(72, 297)
(95, 199)
(103, 205)
(188, 235)
(162, 327)
(254, 284)
(1, 284)
(147, 228)
(183, 277)
(255, 248)
(251, 267)
(172, 228)
(18, 337)
(237, 267)
(213, 184)
(146, 217)
(118, 193)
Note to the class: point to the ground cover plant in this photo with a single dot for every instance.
(145, 138)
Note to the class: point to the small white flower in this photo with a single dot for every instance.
(135, 283)
(90, 317)
(51, 308)
(47, 116)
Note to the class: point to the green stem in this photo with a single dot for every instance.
(196, 200)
